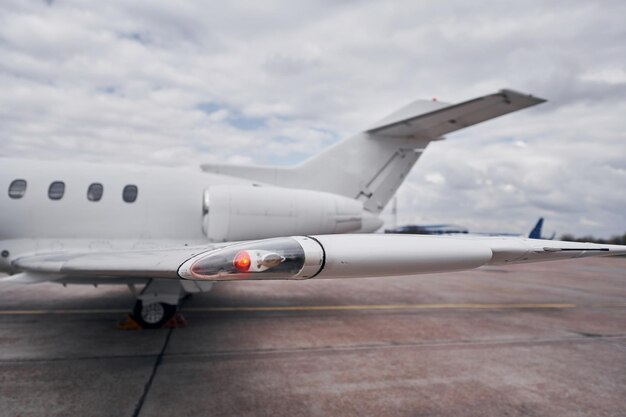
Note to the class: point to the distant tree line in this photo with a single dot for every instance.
(614, 240)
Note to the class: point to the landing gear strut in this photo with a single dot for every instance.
(157, 303)
(153, 315)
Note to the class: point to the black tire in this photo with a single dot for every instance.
(154, 315)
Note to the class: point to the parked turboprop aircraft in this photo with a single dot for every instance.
(177, 232)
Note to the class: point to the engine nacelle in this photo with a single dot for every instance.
(244, 212)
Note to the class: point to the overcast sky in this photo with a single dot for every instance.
(273, 82)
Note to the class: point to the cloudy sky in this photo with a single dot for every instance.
(273, 82)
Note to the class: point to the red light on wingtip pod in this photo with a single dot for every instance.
(242, 261)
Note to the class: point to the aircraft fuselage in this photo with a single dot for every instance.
(168, 202)
(167, 208)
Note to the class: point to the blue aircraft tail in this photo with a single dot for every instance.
(536, 232)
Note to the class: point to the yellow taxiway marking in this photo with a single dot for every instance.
(610, 305)
(365, 307)
(62, 311)
(382, 307)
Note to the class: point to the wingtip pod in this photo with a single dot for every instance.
(352, 256)
(277, 258)
(390, 255)
(335, 256)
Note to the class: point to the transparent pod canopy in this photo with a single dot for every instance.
(280, 258)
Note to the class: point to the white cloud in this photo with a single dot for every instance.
(126, 81)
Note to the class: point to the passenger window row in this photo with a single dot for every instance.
(17, 189)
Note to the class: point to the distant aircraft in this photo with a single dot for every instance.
(450, 229)
(177, 232)
(536, 232)
(429, 229)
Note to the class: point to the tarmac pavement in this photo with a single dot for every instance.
(544, 339)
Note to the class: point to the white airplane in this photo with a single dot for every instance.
(177, 232)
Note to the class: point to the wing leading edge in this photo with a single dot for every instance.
(305, 257)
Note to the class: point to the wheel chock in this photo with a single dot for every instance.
(176, 322)
(129, 323)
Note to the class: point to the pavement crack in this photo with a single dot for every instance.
(157, 363)
(594, 335)
(586, 334)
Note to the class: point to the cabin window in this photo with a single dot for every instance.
(17, 189)
(94, 192)
(56, 190)
(130, 193)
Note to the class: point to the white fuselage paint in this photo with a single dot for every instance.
(167, 211)
(168, 205)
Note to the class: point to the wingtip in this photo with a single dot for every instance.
(509, 92)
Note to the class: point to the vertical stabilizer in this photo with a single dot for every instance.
(371, 165)
(536, 232)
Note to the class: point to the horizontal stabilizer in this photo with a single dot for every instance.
(429, 120)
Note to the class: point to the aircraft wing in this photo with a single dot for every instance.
(157, 263)
(443, 118)
(304, 257)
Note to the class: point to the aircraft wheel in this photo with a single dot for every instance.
(154, 315)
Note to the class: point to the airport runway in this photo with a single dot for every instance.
(529, 340)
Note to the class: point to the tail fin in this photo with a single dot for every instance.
(371, 165)
(536, 232)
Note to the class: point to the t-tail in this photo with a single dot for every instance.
(371, 165)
